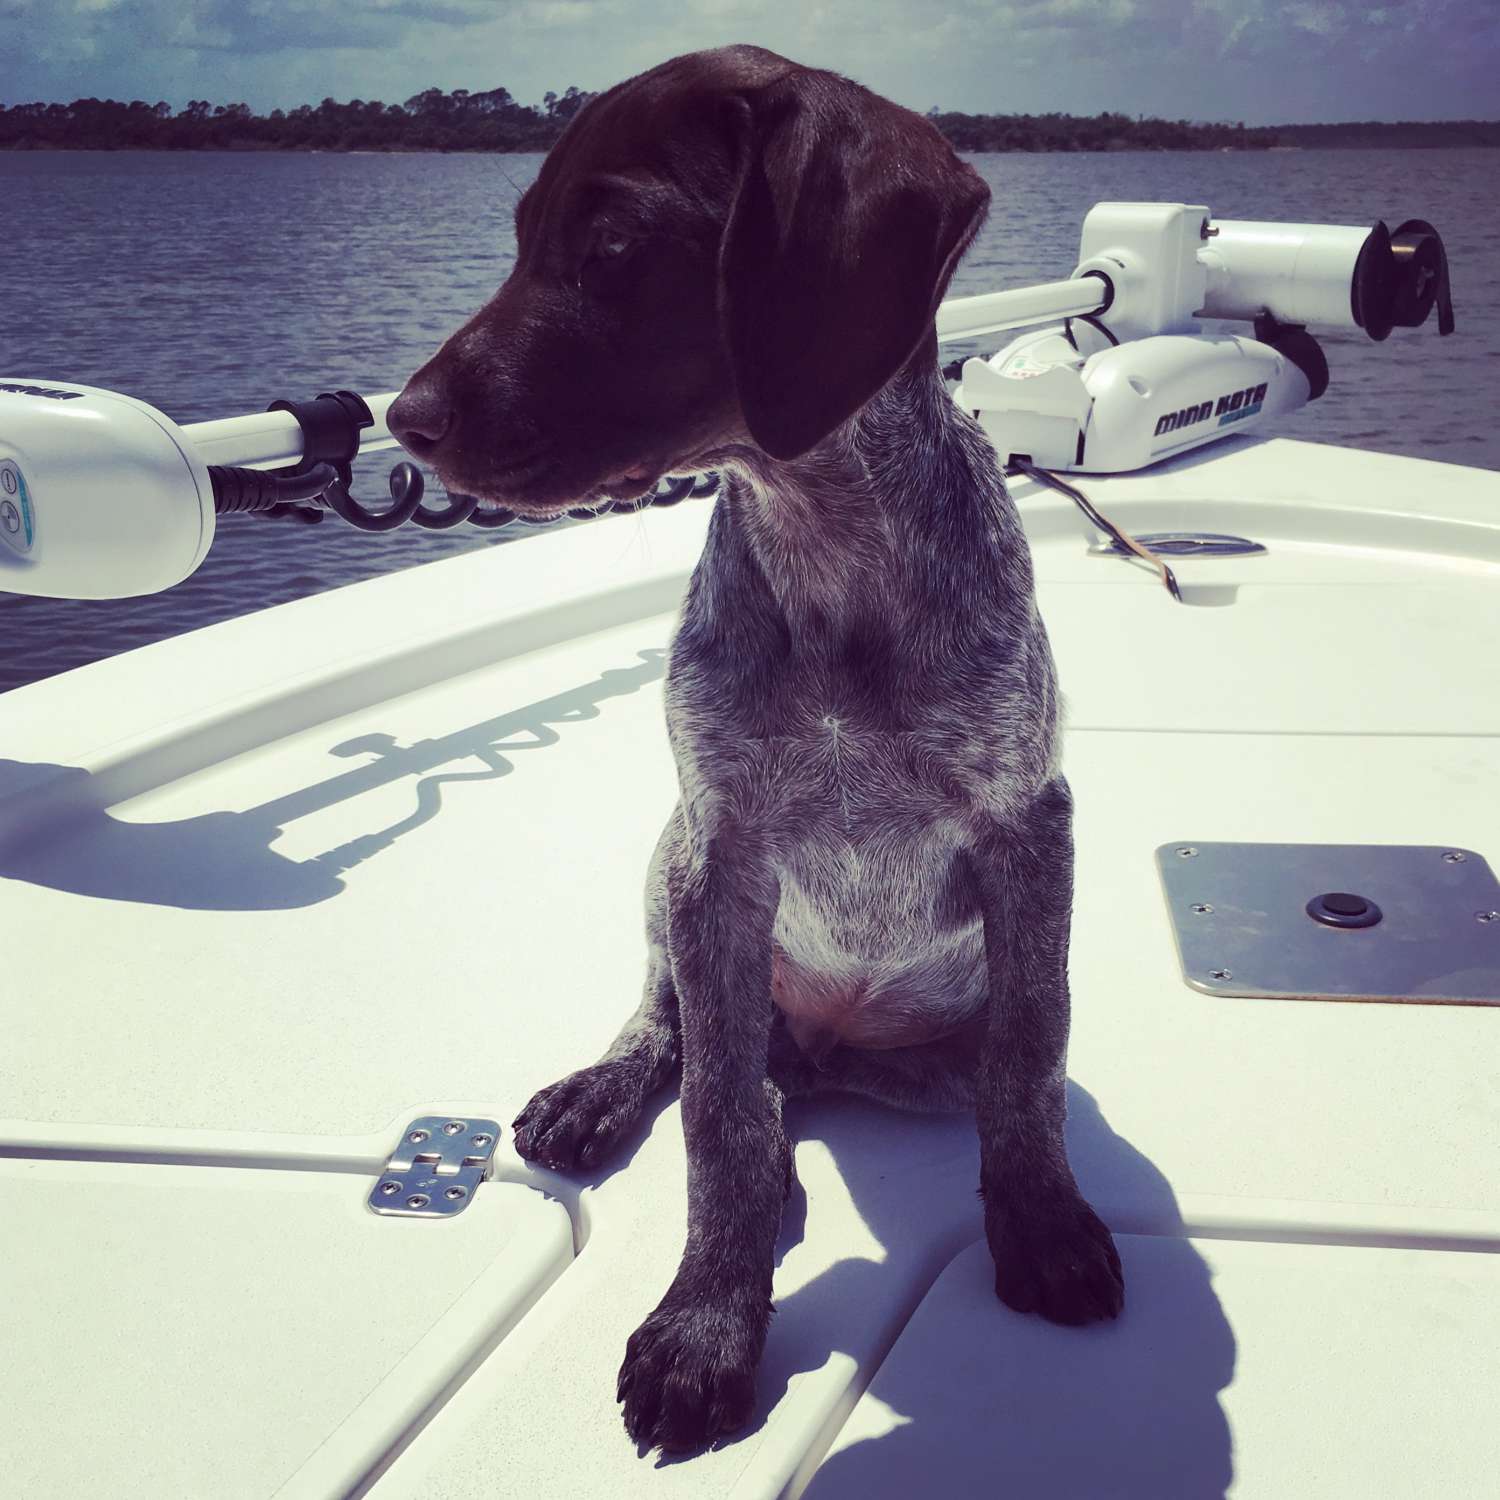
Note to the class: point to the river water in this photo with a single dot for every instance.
(212, 283)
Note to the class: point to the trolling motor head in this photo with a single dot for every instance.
(1135, 379)
(100, 495)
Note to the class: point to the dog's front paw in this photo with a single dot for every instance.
(579, 1121)
(689, 1370)
(1059, 1261)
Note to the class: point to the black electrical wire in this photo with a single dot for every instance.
(1093, 323)
(320, 480)
(304, 495)
(248, 491)
(1099, 519)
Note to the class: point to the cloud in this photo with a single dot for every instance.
(57, 28)
(1321, 20)
(1183, 58)
(562, 12)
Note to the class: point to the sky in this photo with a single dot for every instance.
(1260, 61)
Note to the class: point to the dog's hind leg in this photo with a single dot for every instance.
(580, 1120)
(937, 1077)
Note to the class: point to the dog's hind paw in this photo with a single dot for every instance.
(578, 1121)
(689, 1371)
(1061, 1264)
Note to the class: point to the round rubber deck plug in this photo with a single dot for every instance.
(1343, 909)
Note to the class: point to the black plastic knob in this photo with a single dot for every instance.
(1344, 909)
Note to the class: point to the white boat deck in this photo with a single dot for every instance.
(274, 888)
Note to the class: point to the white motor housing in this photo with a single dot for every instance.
(1305, 273)
(1168, 264)
(101, 496)
(1127, 406)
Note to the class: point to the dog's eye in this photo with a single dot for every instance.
(602, 271)
(610, 244)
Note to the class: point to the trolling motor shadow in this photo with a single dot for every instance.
(56, 829)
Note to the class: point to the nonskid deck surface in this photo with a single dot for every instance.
(258, 918)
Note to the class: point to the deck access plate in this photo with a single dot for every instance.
(1399, 922)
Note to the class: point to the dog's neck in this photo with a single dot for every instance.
(833, 530)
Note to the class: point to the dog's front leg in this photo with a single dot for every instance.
(1053, 1254)
(689, 1371)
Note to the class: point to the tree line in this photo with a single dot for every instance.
(492, 120)
(1117, 132)
(488, 120)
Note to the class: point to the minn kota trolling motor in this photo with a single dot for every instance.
(102, 496)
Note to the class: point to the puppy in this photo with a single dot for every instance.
(733, 262)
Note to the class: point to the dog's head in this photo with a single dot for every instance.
(730, 248)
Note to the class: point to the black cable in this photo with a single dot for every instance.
(1092, 321)
(1099, 519)
(406, 490)
(252, 491)
(320, 480)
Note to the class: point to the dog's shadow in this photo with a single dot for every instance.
(987, 1402)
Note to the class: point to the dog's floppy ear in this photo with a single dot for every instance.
(849, 216)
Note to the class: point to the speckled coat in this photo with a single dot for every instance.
(867, 883)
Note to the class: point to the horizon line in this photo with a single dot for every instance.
(938, 109)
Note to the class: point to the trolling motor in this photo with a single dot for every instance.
(1129, 377)
(103, 496)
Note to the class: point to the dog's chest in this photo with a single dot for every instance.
(847, 782)
(869, 853)
(878, 939)
(877, 935)
(831, 780)
(865, 776)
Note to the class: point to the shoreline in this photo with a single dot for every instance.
(50, 147)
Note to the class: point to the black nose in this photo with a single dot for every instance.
(419, 417)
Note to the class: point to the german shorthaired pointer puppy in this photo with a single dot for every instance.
(732, 262)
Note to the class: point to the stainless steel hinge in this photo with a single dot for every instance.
(433, 1173)
(1181, 544)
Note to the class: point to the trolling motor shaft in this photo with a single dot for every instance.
(330, 430)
